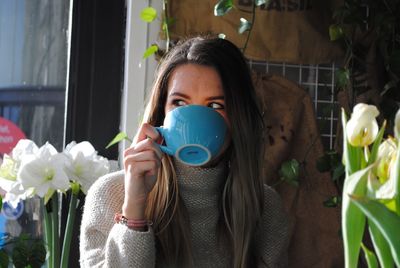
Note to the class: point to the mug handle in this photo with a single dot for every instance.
(164, 148)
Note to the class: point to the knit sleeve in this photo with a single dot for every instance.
(104, 243)
(272, 237)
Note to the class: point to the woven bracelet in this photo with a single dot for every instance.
(133, 224)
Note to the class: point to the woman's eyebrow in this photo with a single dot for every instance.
(216, 98)
(178, 94)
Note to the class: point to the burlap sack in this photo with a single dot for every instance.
(295, 31)
(291, 133)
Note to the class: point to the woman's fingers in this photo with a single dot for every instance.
(141, 161)
(141, 157)
(142, 164)
(144, 145)
(147, 131)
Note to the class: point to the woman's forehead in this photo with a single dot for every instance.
(195, 79)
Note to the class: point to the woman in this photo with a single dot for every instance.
(219, 215)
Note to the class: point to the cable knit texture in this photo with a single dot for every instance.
(106, 244)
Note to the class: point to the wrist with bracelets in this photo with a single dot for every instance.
(141, 225)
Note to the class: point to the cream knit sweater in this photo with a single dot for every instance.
(106, 244)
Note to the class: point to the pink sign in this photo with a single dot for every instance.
(10, 134)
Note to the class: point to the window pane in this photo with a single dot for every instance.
(34, 43)
(33, 67)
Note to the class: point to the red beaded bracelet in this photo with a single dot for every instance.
(133, 224)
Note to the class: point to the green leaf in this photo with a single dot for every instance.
(385, 220)
(150, 51)
(223, 7)
(48, 195)
(338, 172)
(244, 25)
(324, 163)
(389, 203)
(388, 86)
(75, 187)
(164, 26)
(119, 137)
(335, 158)
(335, 32)
(332, 202)
(170, 21)
(331, 161)
(20, 255)
(395, 176)
(37, 254)
(289, 172)
(3, 259)
(353, 220)
(369, 257)
(375, 146)
(148, 14)
(28, 252)
(381, 246)
(23, 236)
(352, 155)
(342, 77)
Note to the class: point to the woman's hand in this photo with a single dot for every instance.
(141, 163)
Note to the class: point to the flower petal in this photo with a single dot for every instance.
(83, 147)
(362, 128)
(397, 125)
(24, 147)
(9, 168)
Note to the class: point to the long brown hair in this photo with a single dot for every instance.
(242, 198)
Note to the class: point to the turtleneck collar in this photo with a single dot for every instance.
(200, 187)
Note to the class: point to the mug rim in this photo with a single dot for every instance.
(194, 106)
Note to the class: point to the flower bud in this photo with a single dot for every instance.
(397, 125)
(362, 127)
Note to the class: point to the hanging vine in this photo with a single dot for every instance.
(225, 6)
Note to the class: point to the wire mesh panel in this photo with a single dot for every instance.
(319, 81)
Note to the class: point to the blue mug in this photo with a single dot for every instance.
(194, 134)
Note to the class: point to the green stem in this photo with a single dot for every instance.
(68, 230)
(253, 18)
(47, 234)
(396, 177)
(166, 26)
(55, 250)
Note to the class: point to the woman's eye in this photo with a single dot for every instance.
(178, 103)
(216, 106)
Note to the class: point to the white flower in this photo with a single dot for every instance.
(24, 147)
(16, 192)
(386, 159)
(85, 166)
(362, 128)
(381, 184)
(10, 164)
(7, 186)
(43, 171)
(8, 169)
(397, 125)
(378, 190)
